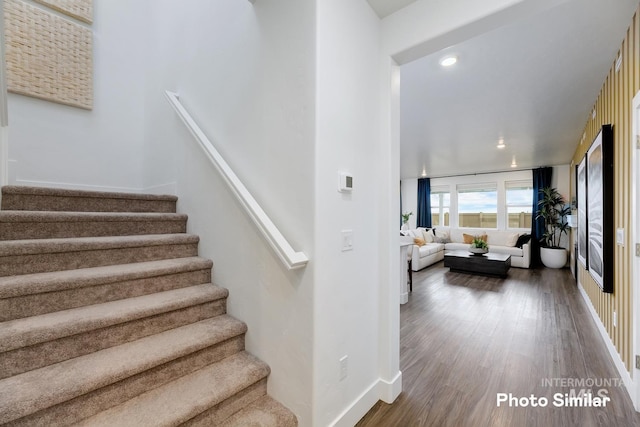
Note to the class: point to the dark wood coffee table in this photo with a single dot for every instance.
(491, 264)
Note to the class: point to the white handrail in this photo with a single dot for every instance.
(289, 257)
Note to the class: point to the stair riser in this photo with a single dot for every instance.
(49, 302)
(36, 356)
(217, 414)
(38, 263)
(91, 403)
(54, 230)
(64, 359)
(30, 202)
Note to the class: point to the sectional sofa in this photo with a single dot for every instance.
(430, 244)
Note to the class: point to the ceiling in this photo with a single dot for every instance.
(533, 83)
(385, 8)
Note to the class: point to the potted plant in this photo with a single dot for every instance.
(405, 220)
(478, 246)
(553, 210)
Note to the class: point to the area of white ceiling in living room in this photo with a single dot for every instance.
(532, 82)
(386, 7)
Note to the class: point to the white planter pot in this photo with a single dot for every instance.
(405, 226)
(553, 258)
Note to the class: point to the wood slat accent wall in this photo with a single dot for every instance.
(614, 106)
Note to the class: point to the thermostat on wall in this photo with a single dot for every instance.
(346, 182)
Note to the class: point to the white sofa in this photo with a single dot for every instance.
(451, 239)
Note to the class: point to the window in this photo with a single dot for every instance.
(519, 200)
(478, 205)
(440, 198)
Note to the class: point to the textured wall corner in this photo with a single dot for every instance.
(48, 57)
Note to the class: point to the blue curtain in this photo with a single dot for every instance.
(424, 203)
(541, 179)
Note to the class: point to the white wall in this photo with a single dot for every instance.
(347, 134)
(4, 116)
(560, 179)
(56, 145)
(247, 75)
(410, 200)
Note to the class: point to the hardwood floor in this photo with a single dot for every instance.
(466, 338)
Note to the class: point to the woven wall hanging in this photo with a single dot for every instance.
(48, 57)
(79, 9)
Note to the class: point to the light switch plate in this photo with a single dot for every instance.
(620, 236)
(347, 240)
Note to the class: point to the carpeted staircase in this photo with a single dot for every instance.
(108, 318)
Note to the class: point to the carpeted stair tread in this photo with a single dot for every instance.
(40, 293)
(38, 256)
(38, 199)
(29, 284)
(54, 216)
(19, 225)
(47, 327)
(43, 191)
(180, 400)
(40, 246)
(108, 317)
(264, 412)
(35, 390)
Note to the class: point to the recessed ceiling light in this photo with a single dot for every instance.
(501, 144)
(513, 162)
(424, 172)
(448, 61)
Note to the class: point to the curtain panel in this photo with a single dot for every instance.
(541, 179)
(424, 203)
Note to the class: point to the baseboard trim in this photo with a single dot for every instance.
(379, 390)
(617, 360)
(390, 390)
(404, 297)
(70, 186)
(168, 188)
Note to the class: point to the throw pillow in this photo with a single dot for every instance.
(419, 241)
(512, 239)
(468, 238)
(428, 236)
(442, 240)
(443, 234)
(522, 240)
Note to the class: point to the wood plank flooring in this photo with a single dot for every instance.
(465, 338)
